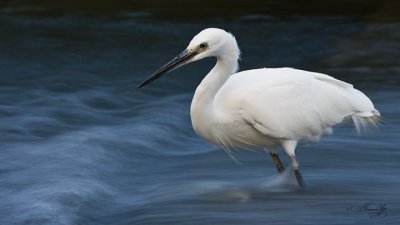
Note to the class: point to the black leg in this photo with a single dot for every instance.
(278, 162)
(299, 178)
(296, 169)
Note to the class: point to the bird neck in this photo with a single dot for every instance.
(210, 85)
(218, 75)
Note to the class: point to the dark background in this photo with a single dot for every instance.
(200, 9)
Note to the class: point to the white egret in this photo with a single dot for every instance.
(265, 108)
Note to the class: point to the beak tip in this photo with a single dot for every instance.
(140, 85)
(174, 63)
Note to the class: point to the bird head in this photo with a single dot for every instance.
(211, 42)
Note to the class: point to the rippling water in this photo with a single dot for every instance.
(80, 144)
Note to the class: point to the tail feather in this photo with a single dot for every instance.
(366, 121)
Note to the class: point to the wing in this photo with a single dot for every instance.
(286, 103)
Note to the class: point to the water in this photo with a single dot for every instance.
(80, 144)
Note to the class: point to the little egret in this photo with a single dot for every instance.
(265, 108)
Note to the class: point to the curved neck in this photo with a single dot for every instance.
(213, 81)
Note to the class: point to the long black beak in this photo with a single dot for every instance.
(171, 65)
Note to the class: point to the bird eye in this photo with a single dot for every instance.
(203, 46)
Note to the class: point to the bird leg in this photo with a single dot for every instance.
(278, 162)
(296, 169)
(289, 146)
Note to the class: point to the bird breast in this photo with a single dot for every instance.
(228, 129)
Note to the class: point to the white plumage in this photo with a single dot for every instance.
(282, 103)
(265, 107)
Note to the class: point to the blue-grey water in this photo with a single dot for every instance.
(80, 144)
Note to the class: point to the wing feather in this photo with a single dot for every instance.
(288, 103)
